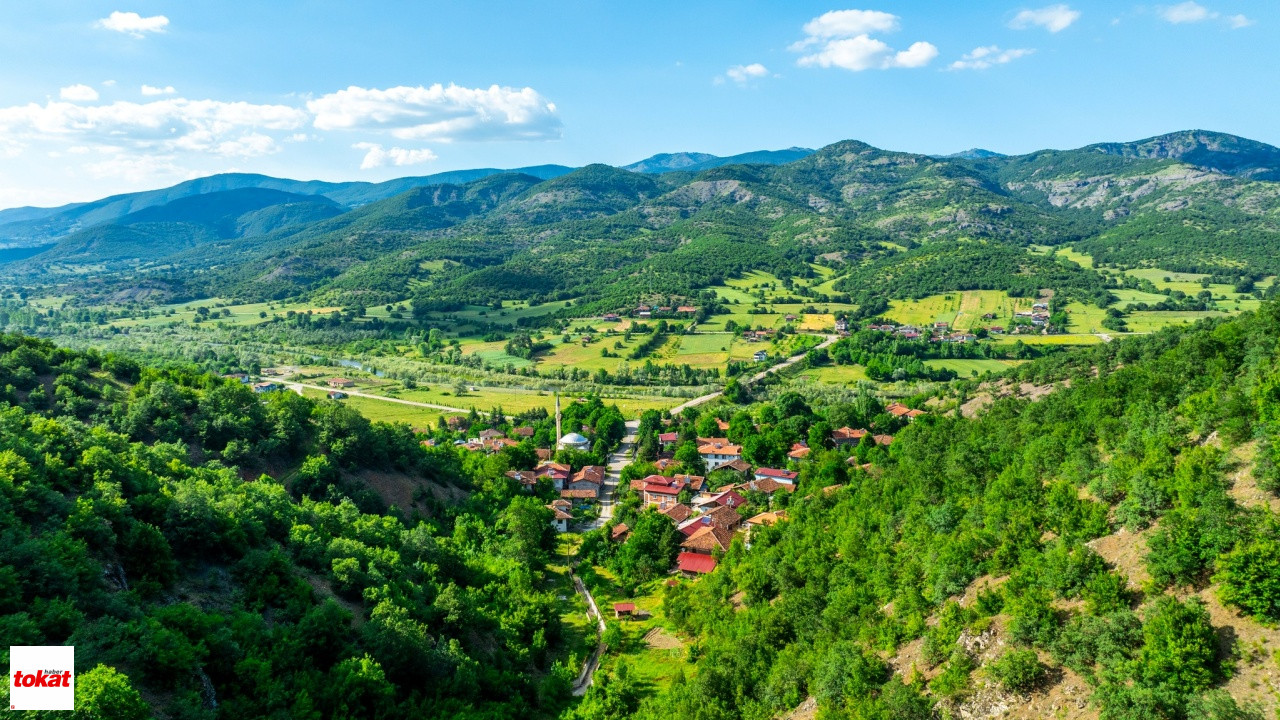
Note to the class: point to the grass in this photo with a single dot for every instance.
(836, 374)
(652, 667)
(967, 368)
(1152, 320)
(1085, 318)
(1066, 339)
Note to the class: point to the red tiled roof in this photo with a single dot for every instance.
(590, 473)
(668, 437)
(847, 433)
(708, 539)
(778, 474)
(678, 513)
(740, 465)
(717, 448)
(619, 530)
(724, 517)
(883, 439)
(695, 563)
(624, 607)
(662, 489)
(525, 431)
(579, 494)
(491, 433)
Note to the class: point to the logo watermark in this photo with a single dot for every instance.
(42, 677)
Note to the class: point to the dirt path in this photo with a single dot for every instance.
(356, 393)
(747, 381)
(593, 663)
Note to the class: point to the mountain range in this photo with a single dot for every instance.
(672, 223)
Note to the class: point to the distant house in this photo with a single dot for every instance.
(265, 387)
(1040, 306)
(722, 424)
(588, 494)
(719, 452)
(557, 472)
(668, 438)
(900, 410)
(559, 519)
(341, 383)
(610, 317)
(760, 356)
(842, 325)
(692, 564)
(790, 318)
(587, 480)
(490, 434)
(799, 451)
(883, 439)
(739, 466)
(782, 476)
(527, 478)
(690, 309)
(524, 432)
(620, 533)
(996, 329)
(661, 491)
(707, 539)
(847, 436)
(337, 395)
(768, 486)
(623, 609)
(241, 377)
(678, 513)
(496, 444)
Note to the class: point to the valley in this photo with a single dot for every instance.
(846, 433)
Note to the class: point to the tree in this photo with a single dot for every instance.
(1178, 652)
(529, 535)
(105, 694)
(687, 455)
(1250, 578)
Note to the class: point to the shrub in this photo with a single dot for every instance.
(1017, 670)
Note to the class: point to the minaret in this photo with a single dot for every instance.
(559, 433)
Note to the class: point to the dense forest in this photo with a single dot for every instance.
(137, 528)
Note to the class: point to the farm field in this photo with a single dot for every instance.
(1065, 339)
(1153, 320)
(963, 310)
(836, 374)
(244, 314)
(966, 367)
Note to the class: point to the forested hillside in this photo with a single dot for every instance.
(1191, 202)
(214, 554)
(1115, 535)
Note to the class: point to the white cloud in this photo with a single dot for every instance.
(151, 90)
(1186, 12)
(131, 23)
(205, 126)
(845, 24)
(981, 58)
(78, 93)
(743, 73)
(1053, 18)
(377, 156)
(439, 113)
(842, 39)
(1194, 12)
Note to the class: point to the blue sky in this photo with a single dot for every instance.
(338, 91)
